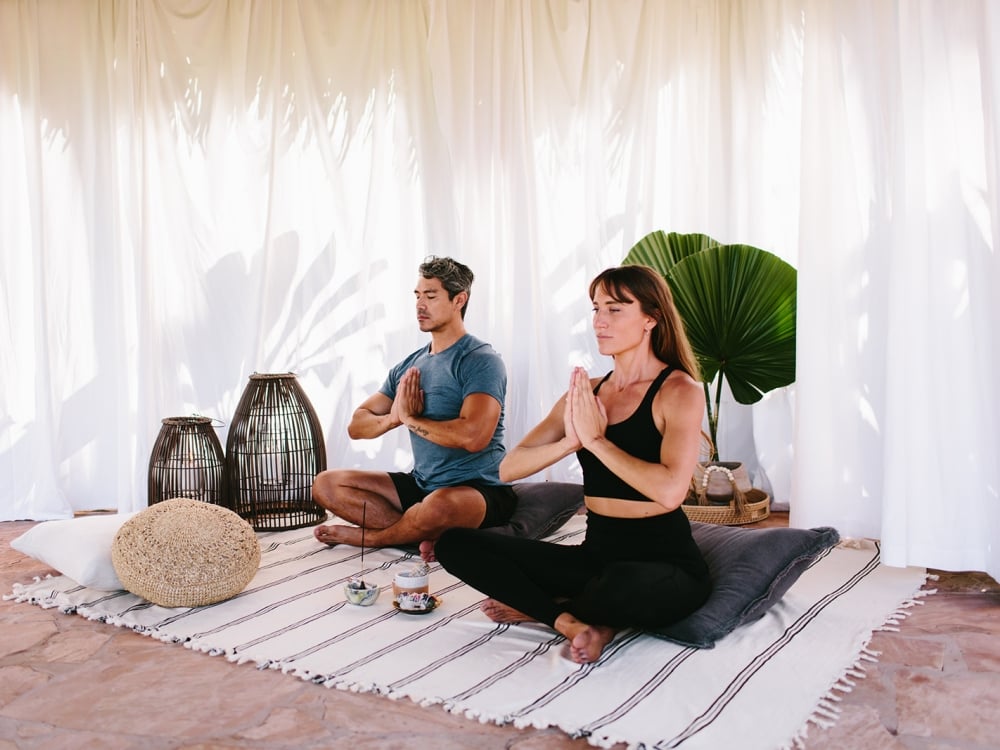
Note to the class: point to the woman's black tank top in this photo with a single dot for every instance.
(636, 435)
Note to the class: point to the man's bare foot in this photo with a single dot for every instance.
(335, 533)
(427, 551)
(500, 612)
(586, 642)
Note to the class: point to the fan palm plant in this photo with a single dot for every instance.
(738, 307)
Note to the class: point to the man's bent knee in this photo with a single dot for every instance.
(453, 507)
(326, 484)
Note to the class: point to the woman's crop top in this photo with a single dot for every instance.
(636, 435)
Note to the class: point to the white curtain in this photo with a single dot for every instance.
(195, 191)
(896, 432)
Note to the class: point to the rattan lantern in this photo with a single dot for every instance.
(187, 461)
(274, 451)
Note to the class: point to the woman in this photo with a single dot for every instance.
(636, 433)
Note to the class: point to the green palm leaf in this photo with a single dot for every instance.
(662, 251)
(738, 306)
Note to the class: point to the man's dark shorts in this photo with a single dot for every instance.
(500, 498)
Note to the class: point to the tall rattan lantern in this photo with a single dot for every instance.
(187, 461)
(274, 451)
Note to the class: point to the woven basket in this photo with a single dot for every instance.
(756, 507)
(185, 553)
(727, 481)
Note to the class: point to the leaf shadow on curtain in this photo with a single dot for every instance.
(269, 317)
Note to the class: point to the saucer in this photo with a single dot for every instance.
(435, 602)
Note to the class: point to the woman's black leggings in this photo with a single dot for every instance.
(606, 580)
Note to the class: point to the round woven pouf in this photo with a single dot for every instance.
(185, 553)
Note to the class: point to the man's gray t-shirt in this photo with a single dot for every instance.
(467, 366)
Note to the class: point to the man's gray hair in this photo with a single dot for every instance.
(455, 277)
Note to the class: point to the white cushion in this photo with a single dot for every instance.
(79, 548)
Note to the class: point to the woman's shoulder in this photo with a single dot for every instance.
(679, 385)
(677, 375)
(679, 402)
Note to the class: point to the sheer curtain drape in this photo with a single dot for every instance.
(896, 433)
(196, 191)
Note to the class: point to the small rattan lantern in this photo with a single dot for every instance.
(187, 461)
(274, 451)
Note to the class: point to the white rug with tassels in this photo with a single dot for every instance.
(760, 687)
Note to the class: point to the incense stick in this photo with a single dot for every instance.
(364, 509)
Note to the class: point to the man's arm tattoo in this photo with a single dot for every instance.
(422, 431)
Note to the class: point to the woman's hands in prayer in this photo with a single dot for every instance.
(585, 418)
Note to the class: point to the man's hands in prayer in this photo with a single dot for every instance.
(409, 401)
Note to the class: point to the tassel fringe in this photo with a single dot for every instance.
(826, 714)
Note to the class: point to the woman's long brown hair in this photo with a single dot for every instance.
(644, 285)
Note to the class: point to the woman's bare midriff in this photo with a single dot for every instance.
(618, 508)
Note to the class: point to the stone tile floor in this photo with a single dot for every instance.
(67, 682)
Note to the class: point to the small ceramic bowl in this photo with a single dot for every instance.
(361, 593)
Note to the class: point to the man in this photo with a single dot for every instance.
(450, 396)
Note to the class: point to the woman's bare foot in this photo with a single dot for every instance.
(587, 646)
(586, 642)
(500, 612)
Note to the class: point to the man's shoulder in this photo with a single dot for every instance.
(470, 345)
(479, 356)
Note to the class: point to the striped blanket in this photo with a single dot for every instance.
(758, 688)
